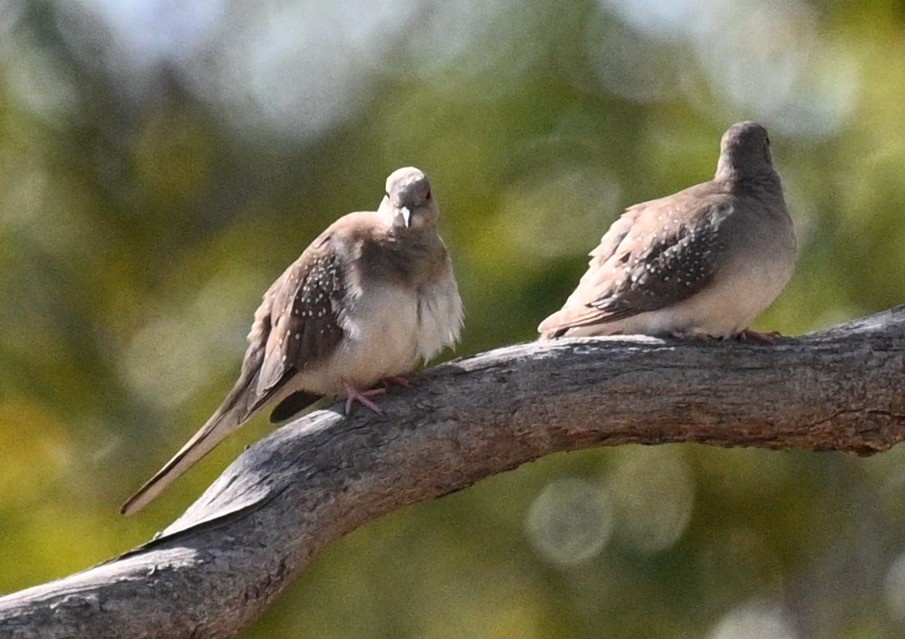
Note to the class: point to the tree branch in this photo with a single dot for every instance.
(287, 497)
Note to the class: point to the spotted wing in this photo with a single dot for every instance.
(297, 325)
(303, 325)
(656, 255)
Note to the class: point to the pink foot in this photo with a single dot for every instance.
(362, 397)
(757, 336)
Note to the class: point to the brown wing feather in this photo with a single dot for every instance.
(674, 267)
(657, 254)
(305, 317)
(296, 325)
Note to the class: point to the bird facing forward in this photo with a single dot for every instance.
(370, 297)
(703, 262)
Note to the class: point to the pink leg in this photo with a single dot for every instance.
(362, 397)
(757, 336)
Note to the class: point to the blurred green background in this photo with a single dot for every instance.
(161, 162)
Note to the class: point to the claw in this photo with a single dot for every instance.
(362, 397)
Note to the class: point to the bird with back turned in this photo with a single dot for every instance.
(703, 262)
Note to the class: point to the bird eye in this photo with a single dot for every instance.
(428, 196)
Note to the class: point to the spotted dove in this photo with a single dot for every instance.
(370, 297)
(703, 262)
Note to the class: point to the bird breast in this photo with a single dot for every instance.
(388, 327)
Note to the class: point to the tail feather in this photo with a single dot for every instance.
(292, 405)
(217, 428)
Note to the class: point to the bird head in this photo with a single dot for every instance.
(744, 151)
(409, 202)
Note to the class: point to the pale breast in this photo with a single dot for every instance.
(387, 330)
(441, 316)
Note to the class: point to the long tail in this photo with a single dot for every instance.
(218, 427)
(240, 405)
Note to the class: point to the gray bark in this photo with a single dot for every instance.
(222, 563)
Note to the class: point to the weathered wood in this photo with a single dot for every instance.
(287, 497)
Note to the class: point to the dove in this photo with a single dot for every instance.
(370, 298)
(701, 263)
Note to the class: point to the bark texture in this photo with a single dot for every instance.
(222, 563)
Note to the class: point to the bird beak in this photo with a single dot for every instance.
(406, 214)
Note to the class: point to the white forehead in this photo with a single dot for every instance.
(403, 177)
